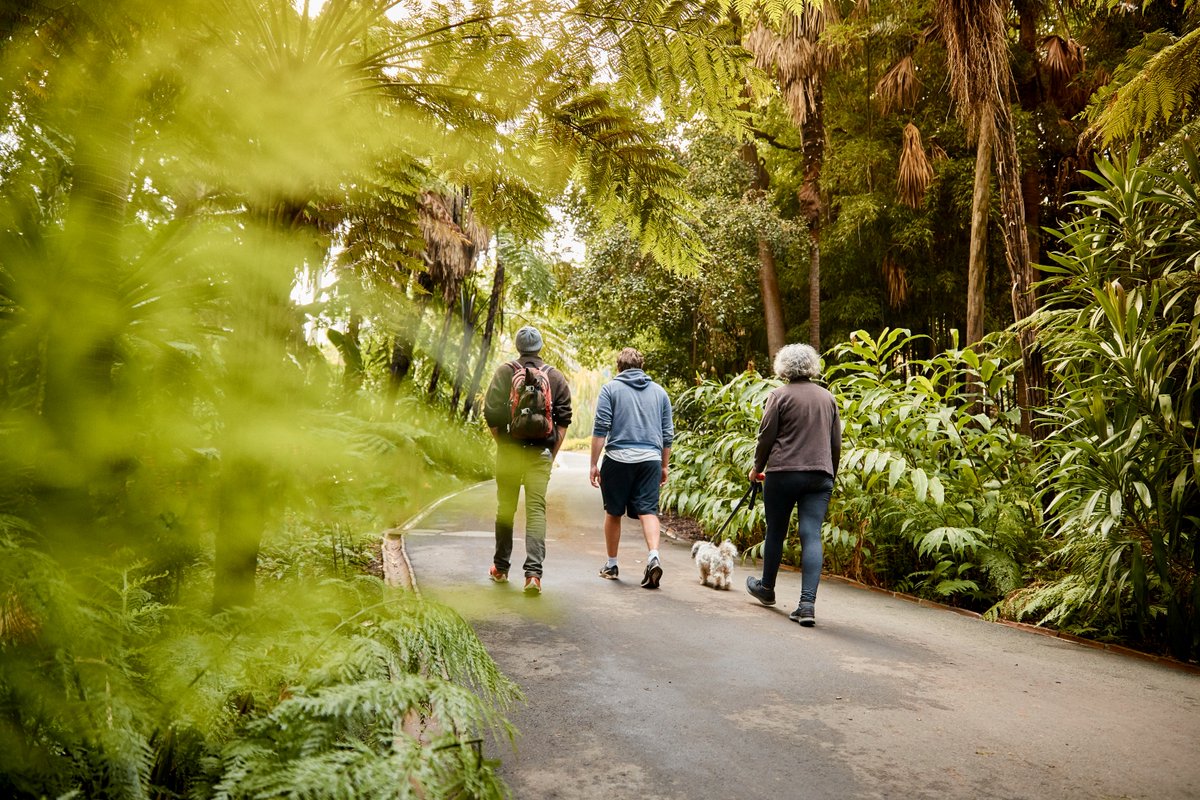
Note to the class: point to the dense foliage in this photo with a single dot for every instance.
(934, 496)
(258, 256)
(230, 235)
(1121, 475)
(1093, 530)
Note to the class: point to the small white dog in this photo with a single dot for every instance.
(715, 563)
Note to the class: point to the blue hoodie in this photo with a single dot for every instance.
(634, 412)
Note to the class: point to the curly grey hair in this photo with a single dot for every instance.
(796, 361)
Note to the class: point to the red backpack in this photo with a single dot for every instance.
(530, 403)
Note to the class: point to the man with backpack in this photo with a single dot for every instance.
(527, 409)
(634, 428)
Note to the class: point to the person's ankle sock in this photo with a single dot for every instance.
(652, 555)
(612, 562)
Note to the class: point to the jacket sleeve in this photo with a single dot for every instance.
(768, 429)
(603, 419)
(668, 422)
(562, 400)
(495, 404)
(835, 439)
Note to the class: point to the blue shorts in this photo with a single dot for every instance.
(630, 489)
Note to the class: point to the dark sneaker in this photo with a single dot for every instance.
(805, 614)
(533, 585)
(610, 573)
(653, 574)
(759, 592)
(497, 575)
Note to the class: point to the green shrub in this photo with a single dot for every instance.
(1121, 332)
(108, 692)
(933, 494)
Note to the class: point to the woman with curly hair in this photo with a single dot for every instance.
(799, 445)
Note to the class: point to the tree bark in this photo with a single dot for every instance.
(464, 347)
(1024, 299)
(981, 199)
(812, 204)
(439, 351)
(768, 276)
(404, 341)
(495, 303)
(768, 279)
(241, 518)
(352, 373)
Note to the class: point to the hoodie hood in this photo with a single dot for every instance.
(635, 378)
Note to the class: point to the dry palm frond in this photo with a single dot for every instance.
(937, 153)
(975, 33)
(1063, 59)
(895, 280)
(795, 56)
(452, 240)
(915, 172)
(16, 624)
(899, 87)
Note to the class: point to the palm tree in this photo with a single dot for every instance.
(797, 58)
(981, 202)
(977, 53)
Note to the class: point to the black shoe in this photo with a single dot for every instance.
(759, 592)
(805, 614)
(653, 574)
(609, 572)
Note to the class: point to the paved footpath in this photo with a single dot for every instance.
(687, 692)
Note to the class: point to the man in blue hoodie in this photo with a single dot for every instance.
(634, 429)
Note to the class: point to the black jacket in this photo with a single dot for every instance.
(496, 408)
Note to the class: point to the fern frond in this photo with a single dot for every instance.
(684, 53)
(1165, 89)
(614, 158)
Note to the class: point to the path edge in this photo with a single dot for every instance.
(397, 566)
(1091, 644)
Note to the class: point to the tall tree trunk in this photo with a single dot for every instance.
(464, 347)
(812, 206)
(1031, 93)
(495, 303)
(981, 200)
(352, 372)
(977, 50)
(814, 290)
(405, 338)
(768, 276)
(768, 280)
(439, 351)
(1016, 239)
(242, 514)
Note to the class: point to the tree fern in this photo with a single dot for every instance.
(613, 158)
(1156, 87)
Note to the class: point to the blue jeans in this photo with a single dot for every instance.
(809, 492)
(517, 466)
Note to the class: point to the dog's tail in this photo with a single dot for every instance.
(696, 548)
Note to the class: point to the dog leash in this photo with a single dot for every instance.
(751, 493)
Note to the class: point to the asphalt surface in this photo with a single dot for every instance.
(689, 692)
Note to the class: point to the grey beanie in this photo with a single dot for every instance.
(529, 341)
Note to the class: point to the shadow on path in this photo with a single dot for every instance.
(688, 692)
